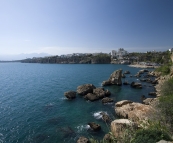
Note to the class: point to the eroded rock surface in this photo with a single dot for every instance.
(85, 89)
(115, 78)
(134, 111)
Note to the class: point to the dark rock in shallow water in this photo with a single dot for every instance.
(105, 117)
(85, 89)
(107, 100)
(91, 97)
(152, 93)
(83, 140)
(94, 126)
(70, 94)
(115, 78)
(127, 72)
(107, 93)
(136, 85)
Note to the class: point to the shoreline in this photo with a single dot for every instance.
(143, 66)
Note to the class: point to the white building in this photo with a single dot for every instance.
(171, 50)
(113, 53)
(119, 54)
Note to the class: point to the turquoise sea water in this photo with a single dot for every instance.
(33, 108)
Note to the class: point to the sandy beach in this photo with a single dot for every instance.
(142, 66)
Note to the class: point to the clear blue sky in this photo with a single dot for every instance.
(68, 26)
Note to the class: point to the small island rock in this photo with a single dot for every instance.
(115, 78)
(94, 126)
(91, 97)
(85, 89)
(107, 100)
(70, 94)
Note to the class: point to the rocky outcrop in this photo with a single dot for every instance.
(136, 85)
(83, 140)
(91, 97)
(119, 126)
(115, 78)
(134, 111)
(99, 92)
(85, 89)
(107, 100)
(70, 94)
(105, 117)
(94, 126)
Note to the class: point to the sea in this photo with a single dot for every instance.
(33, 108)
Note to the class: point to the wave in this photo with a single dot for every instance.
(81, 128)
(98, 115)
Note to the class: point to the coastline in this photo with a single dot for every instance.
(142, 66)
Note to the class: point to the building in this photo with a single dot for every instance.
(119, 54)
(171, 50)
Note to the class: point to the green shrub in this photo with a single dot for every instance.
(150, 136)
(165, 69)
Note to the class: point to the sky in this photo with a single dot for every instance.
(57, 27)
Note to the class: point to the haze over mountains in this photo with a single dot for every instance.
(21, 56)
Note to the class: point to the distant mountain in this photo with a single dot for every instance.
(21, 56)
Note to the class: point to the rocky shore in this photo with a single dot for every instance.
(132, 114)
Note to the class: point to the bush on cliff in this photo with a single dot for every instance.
(165, 69)
(166, 104)
(150, 136)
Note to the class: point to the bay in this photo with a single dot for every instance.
(33, 108)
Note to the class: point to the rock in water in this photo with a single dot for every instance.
(136, 85)
(91, 97)
(94, 126)
(85, 89)
(70, 94)
(83, 140)
(115, 78)
(107, 100)
(99, 92)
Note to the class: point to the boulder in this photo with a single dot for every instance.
(105, 117)
(91, 97)
(148, 101)
(107, 100)
(115, 78)
(85, 89)
(123, 102)
(70, 94)
(152, 93)
(107, 138)
(119, 126)
(99, 92)
(136, 85)
(83, 140)
(134, 111)
(107, 92)
(94, 126)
